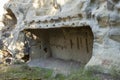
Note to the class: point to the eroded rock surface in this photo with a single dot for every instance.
(103, 17)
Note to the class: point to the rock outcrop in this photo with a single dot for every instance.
(102, 16)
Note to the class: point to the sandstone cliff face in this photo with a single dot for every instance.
(103, 17)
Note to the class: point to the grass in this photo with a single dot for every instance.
(24, 72)
(115, 72)
(82, 75)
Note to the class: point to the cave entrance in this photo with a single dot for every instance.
(68, 44)
(63, 43)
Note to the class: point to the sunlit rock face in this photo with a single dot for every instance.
(2, 11)
(103, 17)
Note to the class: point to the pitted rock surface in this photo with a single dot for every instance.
(103, 17)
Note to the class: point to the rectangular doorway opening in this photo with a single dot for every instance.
(69, 44)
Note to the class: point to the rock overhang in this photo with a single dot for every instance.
(99, 17)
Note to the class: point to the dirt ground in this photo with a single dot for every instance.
(58, 65)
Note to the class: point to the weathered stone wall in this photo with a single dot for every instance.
(103, 16)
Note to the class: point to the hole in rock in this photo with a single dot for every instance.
(45, 49)
(9, 19)
(55, 47)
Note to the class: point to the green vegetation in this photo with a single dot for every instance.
(95, 69)
(82, 75)
(115, 72)
(24, 72)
